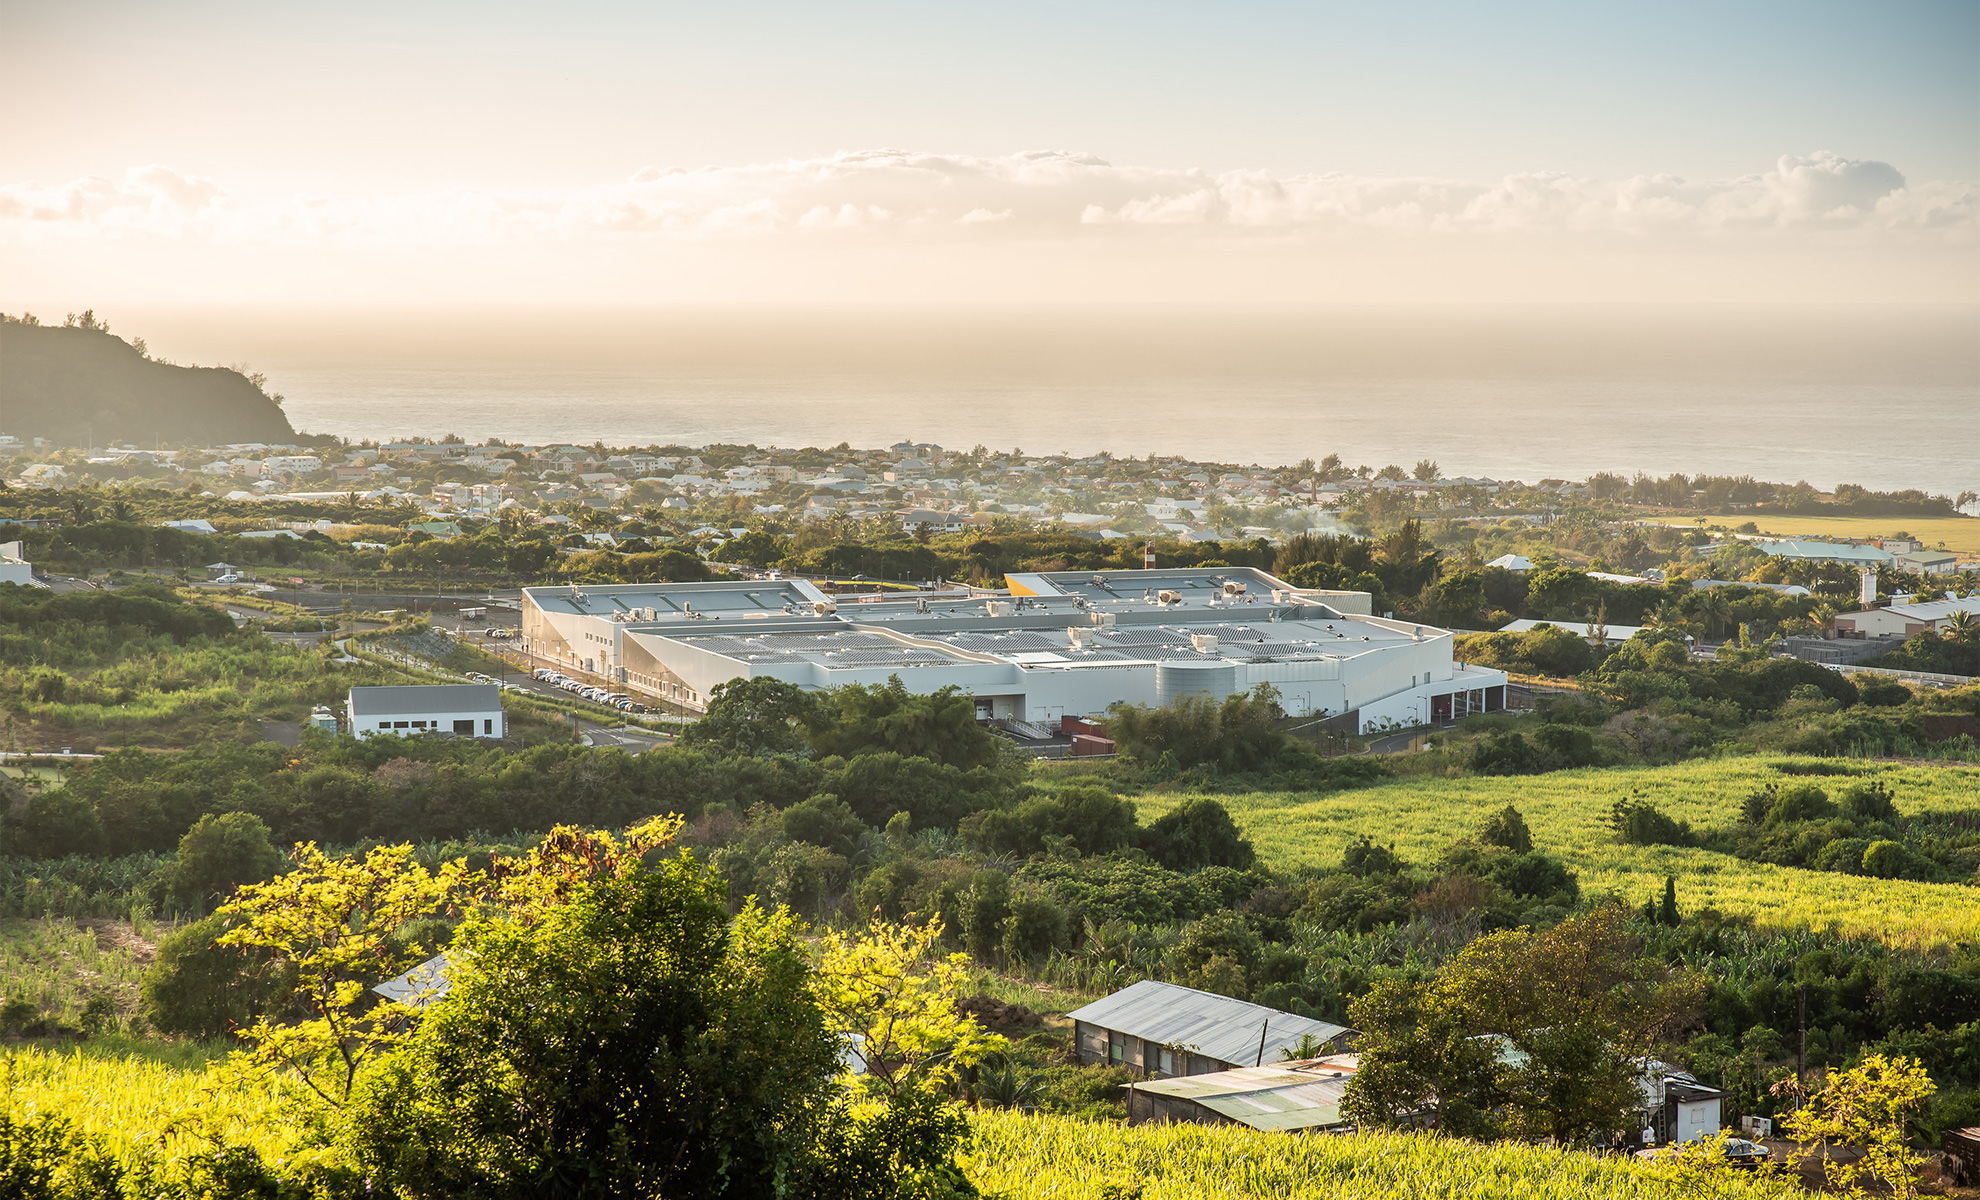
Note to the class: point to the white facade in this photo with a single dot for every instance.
(1057, 645)
(1904, 620)
(458, 709)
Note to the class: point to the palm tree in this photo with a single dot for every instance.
(1962, 627)
(1716, 610)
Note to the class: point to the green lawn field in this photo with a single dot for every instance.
(1568, 814)
(1959, 535)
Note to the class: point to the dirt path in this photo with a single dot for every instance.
(112, 934)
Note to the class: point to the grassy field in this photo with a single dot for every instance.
(141, 1098)
(1040, 1157)
(1960, 535)
(57, 964)
(1568, 811)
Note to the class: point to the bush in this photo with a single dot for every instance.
(1641, 823)
(197, 989)
(1198, 833)
(1507, 828)
(1083, 817)
(1035, 926)
(218, 854)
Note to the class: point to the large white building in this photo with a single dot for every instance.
(1054, 645)
(466, 709)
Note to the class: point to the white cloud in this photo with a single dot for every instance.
(1039, 194)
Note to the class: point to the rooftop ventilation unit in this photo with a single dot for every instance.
(1203, 643)
(1279, 595)
(997, 608)
(823, 608)
(1082, 639)
(1103, 620)
(1233, 588)
(1166, 597)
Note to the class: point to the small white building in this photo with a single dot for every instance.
(1676, 1106)
(1905, 620)
(14, 567)
(1512, 562)
(463, 709)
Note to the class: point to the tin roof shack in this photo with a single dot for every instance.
(1165, 1029)
(1676, 1106)
(1960, 1155)
(1285, 1096)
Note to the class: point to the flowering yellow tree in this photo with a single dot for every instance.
(333, 919)
(893, 991)
(1866, 1106)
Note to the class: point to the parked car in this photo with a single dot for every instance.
(1740, 1153)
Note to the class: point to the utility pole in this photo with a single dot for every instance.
(1801, 1051)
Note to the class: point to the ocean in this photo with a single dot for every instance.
(1884, 397)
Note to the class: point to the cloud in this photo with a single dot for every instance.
(1050, 194)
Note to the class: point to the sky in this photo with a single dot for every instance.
(602, 152)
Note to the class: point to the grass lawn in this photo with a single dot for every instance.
(1568, 814)
(1960, 535)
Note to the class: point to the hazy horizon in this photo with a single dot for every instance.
(1777, 392)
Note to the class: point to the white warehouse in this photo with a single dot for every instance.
(1054, 645)
(466, 709)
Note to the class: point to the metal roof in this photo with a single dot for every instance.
(420, 986)
(425, 698)
(1286, 1095)
(1206, 1024)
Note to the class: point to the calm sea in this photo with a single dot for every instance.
(1885, 397)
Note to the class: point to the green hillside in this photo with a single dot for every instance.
(1568, 812)
(85, 386)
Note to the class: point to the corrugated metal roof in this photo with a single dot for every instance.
(426, 698)
(1302, 1095)
(1210, 1025)
(420, 986)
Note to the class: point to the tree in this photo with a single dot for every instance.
(896, 1001)
(1667, 911)
(1529, 1035)
(630, 1040)
(1866, 1106)
(218, 854)
(756, 716)
(331, 922)
(1426, 471)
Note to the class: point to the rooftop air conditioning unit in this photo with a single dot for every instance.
(1203, 643)
(997, 608)
(1233, 588)
(823, 608)
(1082, 639)
(1279, 595)
(1103, 620)
(1166, 597)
